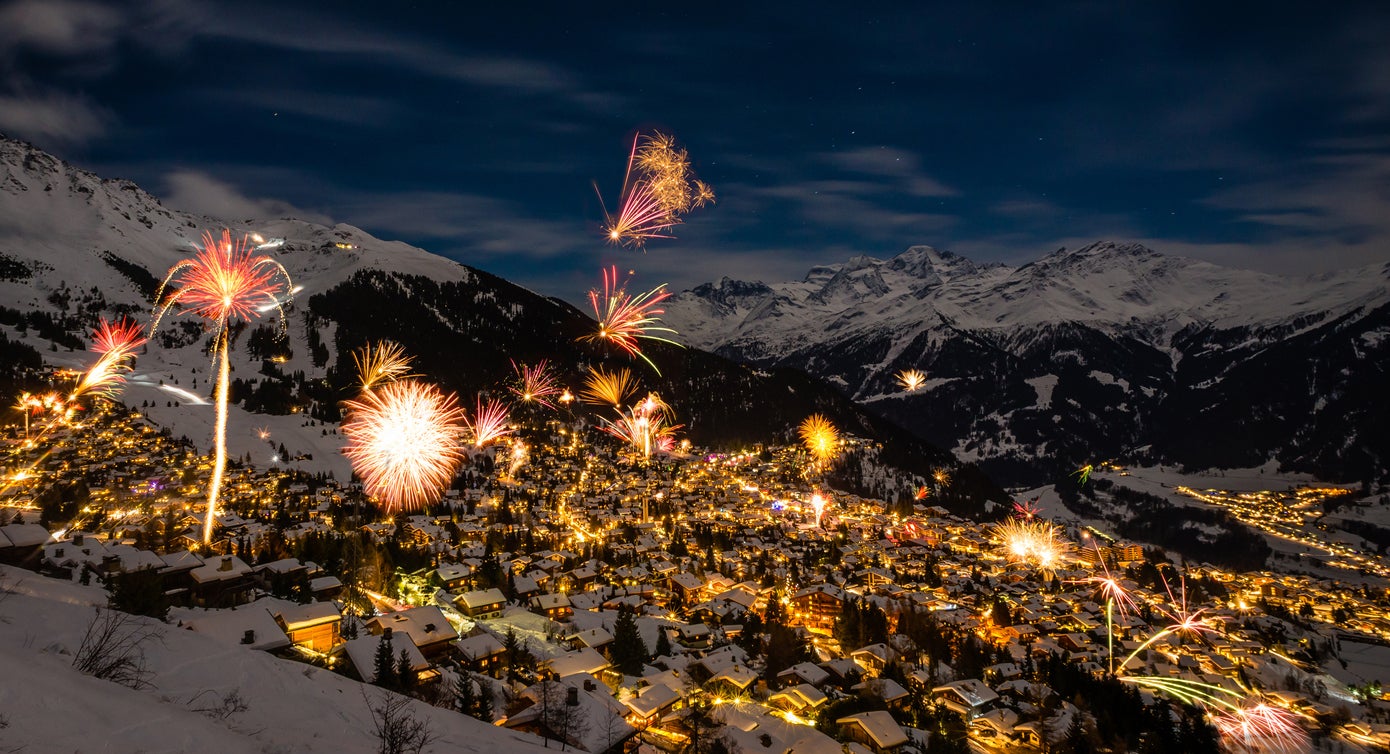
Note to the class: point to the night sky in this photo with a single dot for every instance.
(1249, 135)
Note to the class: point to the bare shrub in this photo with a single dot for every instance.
(398, 731)
(113, 649)
(220, 707)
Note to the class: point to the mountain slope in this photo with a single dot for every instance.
(1108, 350)
(74, 245)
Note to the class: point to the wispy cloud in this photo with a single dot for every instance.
(199, 193)
(903, 168)
(52, 118)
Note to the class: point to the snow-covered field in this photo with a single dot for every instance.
(289, 707)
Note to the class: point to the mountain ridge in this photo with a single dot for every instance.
(988, 335)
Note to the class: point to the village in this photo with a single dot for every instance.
(696, 602)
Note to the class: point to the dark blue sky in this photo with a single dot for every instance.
(1255, 136)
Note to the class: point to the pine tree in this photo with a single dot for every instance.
(465, 700)
(628, 652)
(384, 663)
(663, 643)
(405, 673)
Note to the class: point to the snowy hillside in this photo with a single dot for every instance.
(288, 706)
(67, 235)
(1079, 348)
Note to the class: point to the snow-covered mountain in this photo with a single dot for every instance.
(1103, 351)
(74, 246)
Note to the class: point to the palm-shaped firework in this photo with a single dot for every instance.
(225, 282)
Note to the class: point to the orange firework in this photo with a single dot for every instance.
(403, 440)
(115, 344)
(538, 383)
(223, 282)
(607, 388)
(382, 362)
(658, 188)
(645, 426)
(911, 379)
(818, 503)
(821, 438)
(623, 319)
(1034, 543)
(489, 422)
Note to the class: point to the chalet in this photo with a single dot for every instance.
(802, 699)
(22, 543)
(968, 697)
(451, 578)
(732, 681)
(482, 604)
(805, 672)
(577, 662)
(651, 703)
(426, 627)
(482, 652)
(552, 606)
(876, 730)
(818, 606)
(313, 626)
(221, 582)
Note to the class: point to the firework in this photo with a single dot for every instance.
(1261, 729)
(538, 383)
(263, 433)
(115, 345)
(911, 379)
(818, 503)
(1108, 587)
(224, 282)
(646, 426)
(380, 363)
(1034, 543)
(1183, 622)
(1028, 509)
(921, 493)
(624, 319)
(942, 477)
(519, 455)
(1083, 474)
(403, 440)
(658, 188)
(489, 422)
(607, 388)
(821, 438)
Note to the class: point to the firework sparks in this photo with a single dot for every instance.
(489, 422)
(223, 282)
(1115, 595)
(921, 493)
(624, 319)
(1184, 622)
(942, 477)
(818, 503)
(521, 452)
(658, 188)
(1083, 474)
(1028, 509)
(646, 426)
(403, 440)
(538, 383)
(821, 439)
(263, 433)
(115, 344)
(911, 379)
(380, 363)
(1261, 729)
(607, 388)
(1038, 544)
